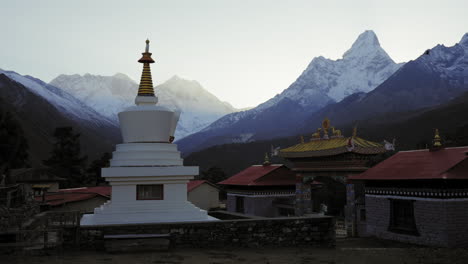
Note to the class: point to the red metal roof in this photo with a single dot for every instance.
(194, 184)
(261, 175)
(64, 196)
(448, 163)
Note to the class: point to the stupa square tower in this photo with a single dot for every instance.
(148, 179)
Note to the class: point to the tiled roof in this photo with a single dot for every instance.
(448, 163)
(262, 175)
(194, 184)
(332, 146)
(64, 196)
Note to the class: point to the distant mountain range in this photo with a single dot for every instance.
(40, 108)
(111, 94)
(411, 130)
(363, 67)
(365, 87)
(437, 76)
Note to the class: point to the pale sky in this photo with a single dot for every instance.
(244, 52)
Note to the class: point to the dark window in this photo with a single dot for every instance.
(240, 204)
(362, 214)
(150, 192)
(402, 217)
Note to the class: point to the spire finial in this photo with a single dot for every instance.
(267, 160)
(437, 142)
(302, 139)
(145, 90)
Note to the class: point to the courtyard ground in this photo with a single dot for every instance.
(348, 250)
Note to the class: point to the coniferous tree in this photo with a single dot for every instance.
(213, 175)
(66, 160)
(94, 169)
(13, 144)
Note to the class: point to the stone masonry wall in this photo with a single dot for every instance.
(439, 222)
(314, 231)
(254, 205)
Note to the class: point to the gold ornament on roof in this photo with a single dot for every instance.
(302, 139)
(267, 159)
(437, 141)
(336, 132)
(316, 135)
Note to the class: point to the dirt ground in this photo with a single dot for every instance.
(347, 251)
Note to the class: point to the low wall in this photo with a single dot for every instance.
(313, 231)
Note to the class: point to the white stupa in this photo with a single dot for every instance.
(148, 179)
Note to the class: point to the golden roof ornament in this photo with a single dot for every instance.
(316, 135)
(437, 141)
(325, 126)
(302, 139)
(336, 132)
(267, 160)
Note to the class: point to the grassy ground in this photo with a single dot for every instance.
(359, 251)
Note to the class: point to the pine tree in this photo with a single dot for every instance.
(94, 170)
(213, 175)
(65, 159)
(13, 144)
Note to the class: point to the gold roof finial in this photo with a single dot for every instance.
(437, 142)
(146, 82)
(355, 131)
(302, 139)
(267, 160)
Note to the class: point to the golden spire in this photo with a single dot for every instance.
(267, 160)
(146, 82)
(437, 142)
(325, 126)
(355, 131)
(302, 139)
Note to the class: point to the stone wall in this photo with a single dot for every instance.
(312, 231)
(440, 222)
(256, 205)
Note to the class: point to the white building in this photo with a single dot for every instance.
(148, 179)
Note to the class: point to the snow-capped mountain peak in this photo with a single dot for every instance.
(464, 41)
(109, 95)
(366, 43)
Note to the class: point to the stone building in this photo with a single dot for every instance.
(419, 196)
(261, 190)
(329, 157)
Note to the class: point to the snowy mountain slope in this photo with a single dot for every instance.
(111, 94)
(435, 77)
(41, 108)
(363, 67)
(62, 100)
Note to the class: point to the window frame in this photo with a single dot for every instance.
(396, 208)
(145, 185)
(238, 205)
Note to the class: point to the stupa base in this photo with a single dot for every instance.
(108, 215)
